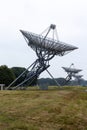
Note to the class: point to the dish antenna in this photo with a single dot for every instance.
(46, 48)
(71, 72)
(78, 78)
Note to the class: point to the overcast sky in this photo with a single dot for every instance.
(70, 17)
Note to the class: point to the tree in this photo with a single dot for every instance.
(6, 75)
(19, 70)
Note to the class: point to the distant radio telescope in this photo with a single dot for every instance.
(71, 72)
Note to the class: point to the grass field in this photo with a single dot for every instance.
(54, 109)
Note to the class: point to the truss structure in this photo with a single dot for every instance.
(46, 48)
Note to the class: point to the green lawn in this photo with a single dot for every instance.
(54, 109)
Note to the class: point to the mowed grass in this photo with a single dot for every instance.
(58, 109)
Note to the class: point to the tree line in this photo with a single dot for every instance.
(8, 75)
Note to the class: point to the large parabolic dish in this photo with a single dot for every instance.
(48, 45)
(71, 70)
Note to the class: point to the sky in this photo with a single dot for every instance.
(70, 18)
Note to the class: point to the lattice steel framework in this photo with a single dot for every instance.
(45, 48)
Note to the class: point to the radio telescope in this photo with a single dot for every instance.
(77, 76)
(46, 48)
(71, 72)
